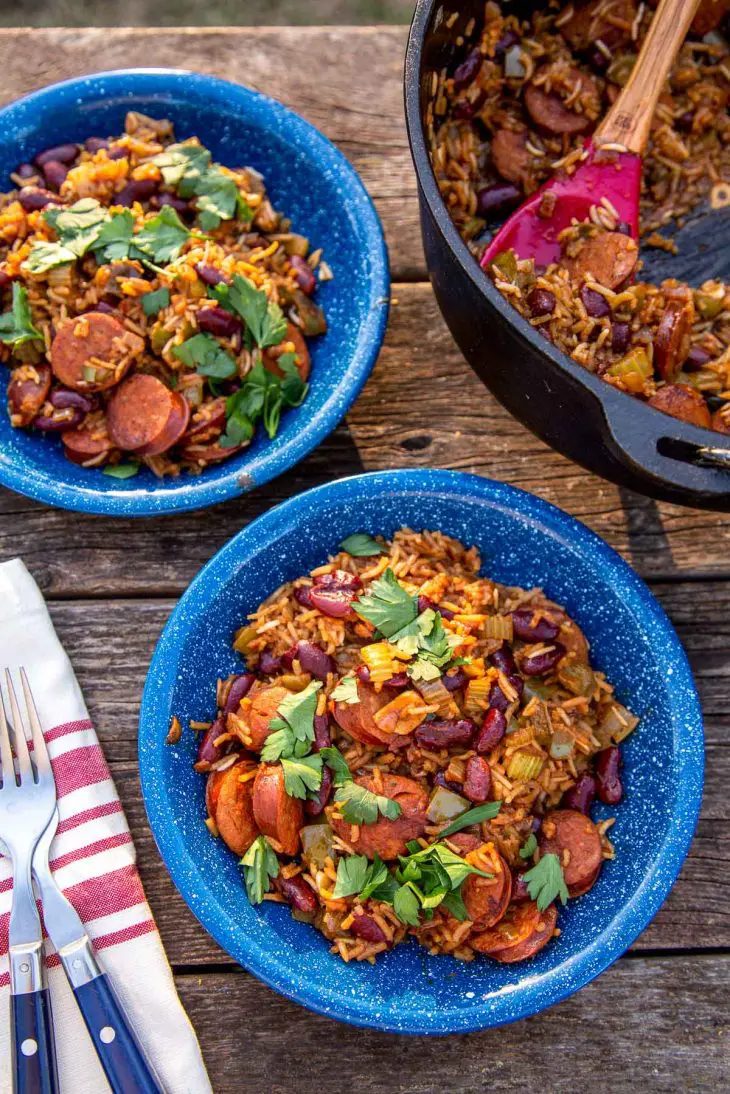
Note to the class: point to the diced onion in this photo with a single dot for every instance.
(616, 724)
(561, 745)
(445, 805)
(514, 65)
(317, 843)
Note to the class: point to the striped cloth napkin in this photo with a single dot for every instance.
(93, 861)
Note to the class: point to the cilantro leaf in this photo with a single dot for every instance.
(293, 388)
(46, 256)
(154, 302)
(260, 865)
(280, 742)
(351, 874)
(298, 710)
(479, 813)
(337, 764)
(182, 162)
(545, 882)
(302, 774)
(218, 198)
(346, 691)
(421, 669)
(16, 325)
(406, 905)
(77, 226)
(163, 237)
(260, 396)
(529, 847)
(453, 902)
(377, 876)
(361, 545)
(387, 605)
(362, 806)
(203, 352)
(121, 470)
(263, 318)
(115, 238)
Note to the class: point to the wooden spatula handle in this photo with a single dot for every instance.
(629, 120)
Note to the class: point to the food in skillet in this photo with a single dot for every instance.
(517, 109)
(156, 306)
(414, 750)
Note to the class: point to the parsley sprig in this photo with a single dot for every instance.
(291, 742)
(260, 865)
(346, 691)
(16, 325)
(387, 605)
(188, 168)
(262, 396)
(545, 882)
(264, 318)
(361, 545)
(358, 805)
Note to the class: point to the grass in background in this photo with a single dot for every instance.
(160, 13)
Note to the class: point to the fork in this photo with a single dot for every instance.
(26, 808)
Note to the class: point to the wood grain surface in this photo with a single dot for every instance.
(658, 1018)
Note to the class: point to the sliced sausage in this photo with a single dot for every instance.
(709, 15)
(90, 443)
(486, 899)
(27, 392)
(303, 360)
(209, 417)
(230, 804)
(388, 838)
(277, 815)
(609, 258)
(203, 454)
(510, 155)
(683, 402)
(593, 20)
(264, 705)
(576, 841)
(673, 339)
(720, 421)
(146, 417)
(465, 841)
(549, 112)
(522, 933)
(88, 339)
(358, 719)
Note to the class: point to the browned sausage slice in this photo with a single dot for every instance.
(358, 719)
(303, 360)
(522, 933)
(672, 341)
(721, 420)
(576, 841)
(146, 417)
(597, 19)
(203, 454)
(510, 155)
(683, 402)
(93, 352)
(609, 258)
(207, 421)
(258, 711)
(486, 899)
(90, 443)
(27, 392)
(548, 111)
(388, 838)
(230, 804)
(277, 815)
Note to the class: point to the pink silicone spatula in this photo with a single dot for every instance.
(605, 171)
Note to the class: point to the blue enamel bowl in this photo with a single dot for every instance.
(309, 180)
(522, 541)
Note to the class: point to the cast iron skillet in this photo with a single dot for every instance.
(605, 430)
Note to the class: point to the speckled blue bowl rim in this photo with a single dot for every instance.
(197, 492)
(528, 997)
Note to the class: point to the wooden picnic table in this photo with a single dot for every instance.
(658, 1019)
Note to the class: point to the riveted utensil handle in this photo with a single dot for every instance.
(125, 1066)
(34, 1053)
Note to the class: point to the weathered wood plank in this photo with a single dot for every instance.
(423, 407)
(110, 645)
(657, 1025)
(346, 81)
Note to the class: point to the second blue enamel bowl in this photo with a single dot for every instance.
(309, 180)
(522, 541)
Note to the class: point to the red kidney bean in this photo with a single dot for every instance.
(314, 660)
(465, 109)
(536, 824)
(696, 358)
(598, 61)
(208, 752)
(594, 303)
(322, 738)
(157, 201)
(425, 603)
(105, 306)
(398, 682)
(542, 630)
(364, 926)
(209, 274)
(444, 732)
(504, 660)
(27, 171)
(218, 321)
(620, 337)
(492, 730)
(440, 779)
(507, 40)
(467, 70)
(303, 273)
(238, 690)
(581, 795)
(333, 594)
(60, 153)
(287, 659)
(302, 595)
(363, 673)
(135, 190)
(33, 198)
(540, 664)
(62, 398)
(497, 699)
(297, 893)
(50, 424)
(541, 302)
(520, 894)
(339, 579)
(477, 780)
(314, 807)
(116, 152)
(268, 664)
(496, 198)
(55, 173)
(452, 681)
(685, 121)
(608, 763)
(95, 144)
